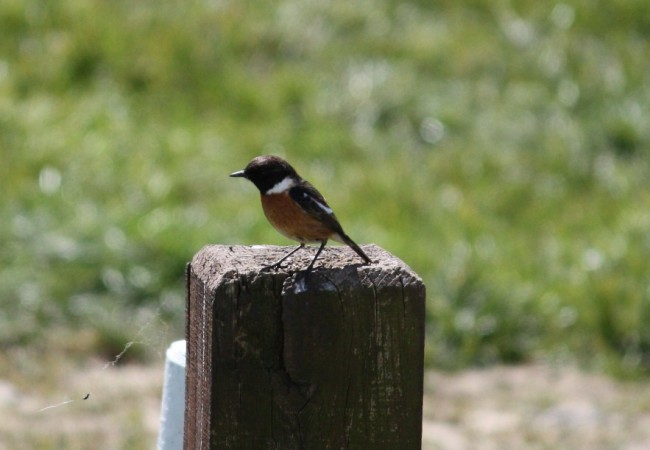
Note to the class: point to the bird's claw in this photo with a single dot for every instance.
(274, 266)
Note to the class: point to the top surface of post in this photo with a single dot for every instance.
(212, 261)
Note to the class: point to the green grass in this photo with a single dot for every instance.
(499, 148)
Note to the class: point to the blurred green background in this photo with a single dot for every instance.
(500, 148)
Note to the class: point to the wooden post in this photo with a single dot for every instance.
(286, 360)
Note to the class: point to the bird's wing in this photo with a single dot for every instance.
(313, 202)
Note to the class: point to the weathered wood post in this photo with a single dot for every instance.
(285, 360)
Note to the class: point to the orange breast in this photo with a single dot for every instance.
(290, 220)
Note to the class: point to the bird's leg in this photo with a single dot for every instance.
(320, 249)
(278, 264)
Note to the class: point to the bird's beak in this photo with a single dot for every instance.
(239, 173)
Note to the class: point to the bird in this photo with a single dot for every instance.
(294, 207)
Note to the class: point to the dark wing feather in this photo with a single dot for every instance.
(313, 202)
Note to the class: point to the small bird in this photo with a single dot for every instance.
(294, 207)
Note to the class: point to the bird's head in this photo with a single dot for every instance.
(268, 173)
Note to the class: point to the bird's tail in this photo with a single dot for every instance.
(346, 240)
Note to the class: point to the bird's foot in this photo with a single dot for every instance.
(274, 266)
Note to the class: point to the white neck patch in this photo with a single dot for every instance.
(282, 186)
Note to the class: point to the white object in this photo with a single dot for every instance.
(172, 413)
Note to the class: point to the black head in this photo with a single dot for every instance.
(266, 171)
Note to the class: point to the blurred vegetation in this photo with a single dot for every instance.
(499, 148)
